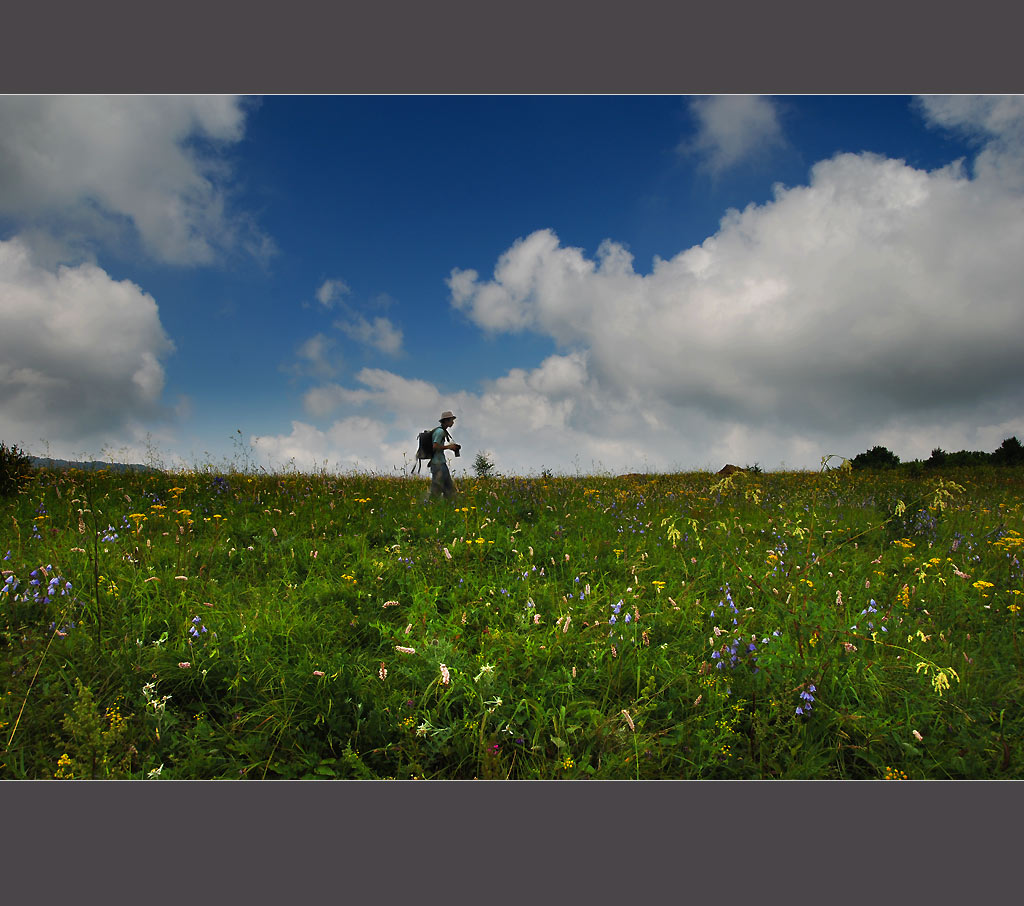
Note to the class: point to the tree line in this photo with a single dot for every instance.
(1009, 453)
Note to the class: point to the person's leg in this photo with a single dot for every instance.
(437, 481)
(448, 484)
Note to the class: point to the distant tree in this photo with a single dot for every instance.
(1010, 453)
(938, 459)
(968, 458)
(483, 465)
(875, 458)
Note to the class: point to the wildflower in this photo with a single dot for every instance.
(568, 620)
(318, 673)
(184, 665)
(383, 672)
(445, 676)
(629, 720)
(918, 736)
(485, 669)
(403, 650)
(155, 773)
(390, 604)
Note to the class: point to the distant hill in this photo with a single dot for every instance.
(92, 466)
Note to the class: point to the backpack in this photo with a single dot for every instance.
(425, 448)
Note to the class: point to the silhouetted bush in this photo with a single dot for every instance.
(876, 458)
(15, 469)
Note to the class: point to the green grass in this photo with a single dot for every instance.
(782, 625)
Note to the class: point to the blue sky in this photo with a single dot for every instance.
(592, 283)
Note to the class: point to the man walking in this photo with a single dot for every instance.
(441, 483)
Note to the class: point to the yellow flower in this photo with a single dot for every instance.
(63, 766)
(981, 584)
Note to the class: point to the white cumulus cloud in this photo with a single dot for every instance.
(83, 167)
(80, 353)
(877, 304)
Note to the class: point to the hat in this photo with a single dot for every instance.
(447, 414)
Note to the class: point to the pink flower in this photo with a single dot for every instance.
(404, 650)
(318, 673)
(445, 676)
(390, 604)
(184, 665)
(383, 672)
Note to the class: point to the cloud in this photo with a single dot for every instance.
(732, 128)
(379, 334)
(80, 353)
(315, 358)
(89, 168)
(877, 304)
(331, 291)
(351, 444)
(995, 121)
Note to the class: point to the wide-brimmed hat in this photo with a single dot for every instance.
(447, 414)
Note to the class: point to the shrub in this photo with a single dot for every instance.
(15, 469)
(876, 458)
(483, 465)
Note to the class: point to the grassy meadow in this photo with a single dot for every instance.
(819, 625)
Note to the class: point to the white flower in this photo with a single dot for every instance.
(445, 676)
(403, 650)
(486, 668)
(155, 773)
